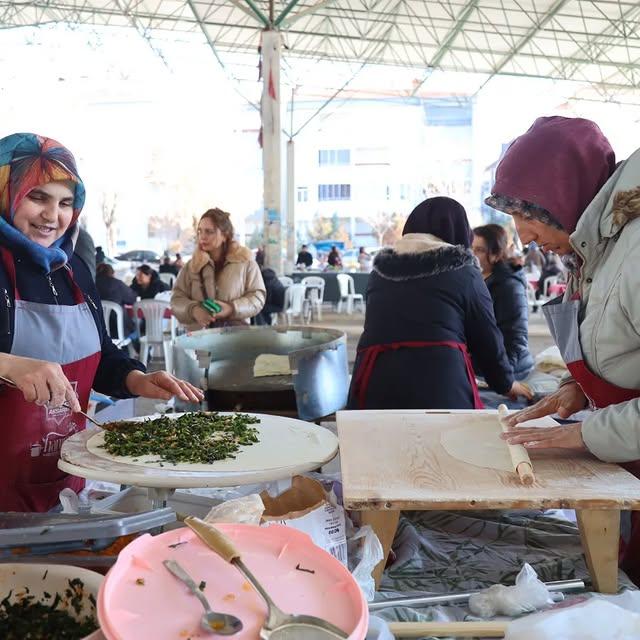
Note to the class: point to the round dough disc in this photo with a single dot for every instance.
(282, 441)
(478, 444)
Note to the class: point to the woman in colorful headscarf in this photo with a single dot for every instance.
(427, 309)
(558, 182)
(53, 342)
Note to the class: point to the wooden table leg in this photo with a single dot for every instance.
(600, 533)
(384, 524)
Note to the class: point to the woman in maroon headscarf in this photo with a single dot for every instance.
(558, 182)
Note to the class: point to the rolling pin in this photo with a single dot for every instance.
(482, 629)
(519, 455)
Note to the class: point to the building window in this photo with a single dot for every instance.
(328, 157)
(303, 194)
(334, 192)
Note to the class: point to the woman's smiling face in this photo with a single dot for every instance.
(45, 213)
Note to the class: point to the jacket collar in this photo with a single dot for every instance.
(418, 255)
(236, 253)
(616, 204)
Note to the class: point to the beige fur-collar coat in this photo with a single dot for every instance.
(239, 283)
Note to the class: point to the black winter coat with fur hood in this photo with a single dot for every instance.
(427, 290)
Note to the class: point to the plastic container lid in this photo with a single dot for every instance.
(139, 593)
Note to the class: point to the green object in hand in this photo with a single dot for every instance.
(211, 306)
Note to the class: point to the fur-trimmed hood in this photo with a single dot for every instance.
(236, 253)
(626, 206)
(418, 255)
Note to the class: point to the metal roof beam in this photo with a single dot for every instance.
(445, 45)
(214, 50)
(285, 12)
(553, 10)
(142, 30)
(254, 7)
(601, 48)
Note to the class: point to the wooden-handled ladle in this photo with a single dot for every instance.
(278, 624)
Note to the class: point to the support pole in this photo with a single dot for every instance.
(271, 155)
(291, 208)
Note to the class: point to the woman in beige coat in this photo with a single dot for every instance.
(221, 270)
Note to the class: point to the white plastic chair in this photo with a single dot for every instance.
(348, 293)
(165, 296)
(315, 293)
(109, 307)
(167, 278)
(286, 281)
(295, 303)
(153, 313)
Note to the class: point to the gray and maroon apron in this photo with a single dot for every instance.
(563, 321)
(32, 435)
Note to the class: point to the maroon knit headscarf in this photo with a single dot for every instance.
(558, 165)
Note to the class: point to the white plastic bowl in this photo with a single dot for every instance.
(53, 578)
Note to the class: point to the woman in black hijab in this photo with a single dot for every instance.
(427, 309)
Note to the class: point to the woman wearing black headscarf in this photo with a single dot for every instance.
(427, 307)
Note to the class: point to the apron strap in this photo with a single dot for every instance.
(370, 355)
(78, 296)
(10, 266)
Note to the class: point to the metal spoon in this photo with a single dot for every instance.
(223, 624)
(11, 383)
(278, 625)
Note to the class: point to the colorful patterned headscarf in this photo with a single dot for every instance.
(28, 161)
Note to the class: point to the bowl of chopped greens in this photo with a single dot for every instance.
(47, 601)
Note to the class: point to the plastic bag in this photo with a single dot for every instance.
(366, 548)
(528, 594)
(594, 620)
(378, 629)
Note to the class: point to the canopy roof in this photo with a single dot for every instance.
(591, 41)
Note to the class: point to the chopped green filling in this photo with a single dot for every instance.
(27, 619)
(193, 437)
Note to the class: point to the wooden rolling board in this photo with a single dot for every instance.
(394, 460)
(313, 446)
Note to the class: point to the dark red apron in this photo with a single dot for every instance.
(32, 435)
(370, 355)
(562, 318)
